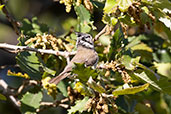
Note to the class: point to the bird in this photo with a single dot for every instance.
(85, 54)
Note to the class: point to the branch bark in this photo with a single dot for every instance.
(26, 48)
(10, 18)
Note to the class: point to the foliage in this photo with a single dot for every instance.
(132, 67)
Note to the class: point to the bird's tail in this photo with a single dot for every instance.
(58, 78)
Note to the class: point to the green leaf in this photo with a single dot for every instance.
(129, 62)
(84, 17)
(79, 106)
(1, 6)
(33, 65)
(96, 86)
(143, 109)
(163, 84)
(115, 43)
(164, 69)
(84, 72)
(2, 97)
(30, 63)
(31, 101)
(142, 46)
(63, 88)
(31, 28)
(131, 90)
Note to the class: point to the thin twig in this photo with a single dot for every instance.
(10, 18)
(8, 92)
(101, 33)
(26, 48)
(45, 105)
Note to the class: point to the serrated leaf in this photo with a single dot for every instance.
(79, 106)
(131, 90)
(84, 72)
(97, 87)
(2, 97)
(84, 17)
(109, 6)
(164, 69)
(129, 62)
(29, 63)
(32, 99)
(31, 28)
(124, 4)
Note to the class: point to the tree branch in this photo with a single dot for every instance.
(26, 48)
(9, 93)
(101, 33)
(11, 19)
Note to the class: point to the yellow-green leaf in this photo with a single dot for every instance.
(2, 97)
(164, 69)
(124, 4)
(1, 6)
(142, 46)
(131, 90)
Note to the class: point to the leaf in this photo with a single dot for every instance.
(84, 17)
(142, 46)
(63, 88)
(129, 62)
(131, 90)
(143, 109)
(97, 87)
(109, 6)
(32, 65)
(164, 69)
(124, 4)
(163, 84)
(82, 89)
(84, 72)
(31, 101)
(79, 106)
(1, 6)
(115, 43)
(29, 63)
(31, 28)
(2, 97)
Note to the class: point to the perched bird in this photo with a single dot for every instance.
(85, 54)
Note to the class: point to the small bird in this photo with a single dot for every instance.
(85, 54)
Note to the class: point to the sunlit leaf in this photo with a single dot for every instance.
(31, 101)
(19, 74)
(142, 46)
(164, 69)
(79, 106)
(1, 6)
(131, 90)
(110, 5)
(129, 62)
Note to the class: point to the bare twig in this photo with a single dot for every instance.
(9, 93)
(101, 33)
(45, 105)
(11, 19)
(26, 48)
